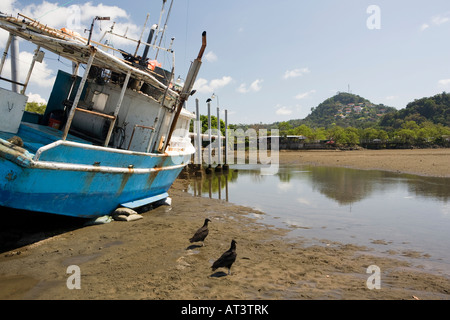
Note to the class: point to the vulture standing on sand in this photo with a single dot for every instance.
(201, 233)
(227, 258)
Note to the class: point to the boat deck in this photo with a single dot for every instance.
(35, 136)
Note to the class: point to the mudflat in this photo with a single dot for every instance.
(426, 162)
(152, 258)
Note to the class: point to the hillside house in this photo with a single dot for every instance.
(357, 109)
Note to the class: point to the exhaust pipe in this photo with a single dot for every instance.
(187, 88)
(149, 40)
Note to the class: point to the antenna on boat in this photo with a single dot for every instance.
(159, 21)
(92, 26)
(164, 29)
(110, 31)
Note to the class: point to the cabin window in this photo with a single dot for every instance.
(99, 99)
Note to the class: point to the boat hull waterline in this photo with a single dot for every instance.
(83, 190)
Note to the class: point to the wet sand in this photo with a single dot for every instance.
(426, 162)
(151, 258)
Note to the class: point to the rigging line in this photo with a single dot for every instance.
(37, 66)
(186, 29)
(59, 7)
(164, 29)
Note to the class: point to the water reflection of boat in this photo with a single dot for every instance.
(117, 136)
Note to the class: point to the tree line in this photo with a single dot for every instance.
(409, 133)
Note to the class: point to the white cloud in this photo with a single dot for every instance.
(42, 75)
(424, 26)
(295, 73)
(78, 17)
(242, 88)
(34, 97)
(205, 86)
(440, 19)
(283, 111)
(444, 83)
(391, 97)
(6, 6)
(255, 86)
(436, 20)
(304, 94)
(211, 56)
(62, 16)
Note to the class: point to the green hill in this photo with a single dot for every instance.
(346, 110)
(434, 109)
(350, 120)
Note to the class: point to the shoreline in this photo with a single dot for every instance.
(151, 258)
(424, 162)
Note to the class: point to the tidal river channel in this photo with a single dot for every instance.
(384, 210)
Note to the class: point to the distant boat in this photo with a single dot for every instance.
(117, 136)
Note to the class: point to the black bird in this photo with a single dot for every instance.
(201, 233)
(227, 258)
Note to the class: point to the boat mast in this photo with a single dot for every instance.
(14, 57)
(140, 38)
(92, 27)
(5, 53)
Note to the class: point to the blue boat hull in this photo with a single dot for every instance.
(78, 194)
(74, 179)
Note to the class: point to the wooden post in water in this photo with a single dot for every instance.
(209, 169)
(225, 166)
(219, 148)
(198, 165)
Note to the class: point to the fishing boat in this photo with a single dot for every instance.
(115, 136)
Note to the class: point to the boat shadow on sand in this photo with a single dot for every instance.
(20, 228)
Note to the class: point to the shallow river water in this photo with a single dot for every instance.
(380, 209)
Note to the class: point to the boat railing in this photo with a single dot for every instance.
(67, 143)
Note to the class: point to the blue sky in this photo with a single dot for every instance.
(270, 61)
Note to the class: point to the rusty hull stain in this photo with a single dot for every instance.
(125, 178)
